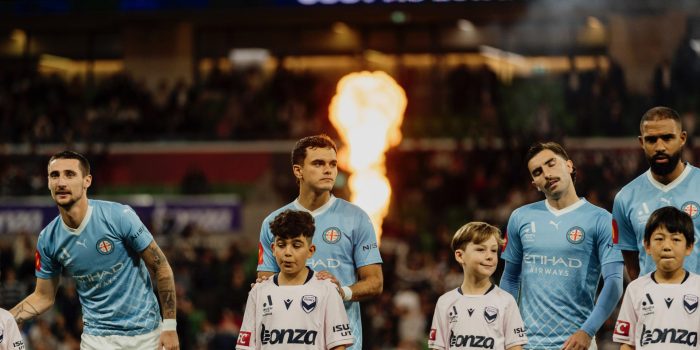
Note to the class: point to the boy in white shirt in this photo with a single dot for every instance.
(293, 310)
(660, 309)
(478, 314)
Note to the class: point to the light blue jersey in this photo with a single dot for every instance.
(345, 241)
(561, 252)
(103, 257)
(638, 199)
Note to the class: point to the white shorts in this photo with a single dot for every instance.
(148, 341)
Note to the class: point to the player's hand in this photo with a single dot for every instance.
(260, 280)
(578, 341)
(169, 341)
(325, 275)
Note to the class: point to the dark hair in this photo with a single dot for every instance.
(660, 113)
(84, 164)
(538, 147)
(316, 141)
(293, 223)
(674, 220)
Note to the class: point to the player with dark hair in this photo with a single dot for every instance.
(346, 245)
(560, 246)
(292, 297)
(108, 251)
(668, 182)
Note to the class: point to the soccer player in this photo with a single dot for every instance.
(659, 308)
(10, 336)
(668, 182)
(346, 245)
(293, 310)
(477, 314)
(108, 252)
(560, 246)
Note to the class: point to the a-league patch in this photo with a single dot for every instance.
(615, 233)
(690, 303)
(332, 235)
(104, 246)
(622, 328)
(260, 254)
(308, 303)
(243, 339)
(575, 235)
(490, 314)
(691, 208)
(37, 260)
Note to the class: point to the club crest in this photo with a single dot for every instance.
(490, 314)
(575, 235)
(308, 303)
(691, 208)
(104, 246)
(690, 303)
(332, 235)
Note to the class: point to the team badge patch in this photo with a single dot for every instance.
(490, 314)
(243, 339)
(575, 235)
(622, 328)
(332, 235)
(690, 303)
(105, 246)
(308, 303)
(691, 208)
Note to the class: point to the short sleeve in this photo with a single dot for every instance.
(266, 260)
(514, 247)
(438, 336)
(514, 327)
(606, 252)
(366, 249)
(626, 321)
(45, 264)
(246, 335)
(132, 230)
(337, 326)
(624, 237)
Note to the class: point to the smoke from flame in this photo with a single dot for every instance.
(367, 111)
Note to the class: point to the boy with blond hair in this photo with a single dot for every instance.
(477, 314)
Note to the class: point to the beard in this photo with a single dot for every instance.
(664, 169)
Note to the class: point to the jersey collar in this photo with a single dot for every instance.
(320, 210)
(493, 286)
(559, 212)
(671, 185)
(653, 278)
(275, 278)
(77, 231)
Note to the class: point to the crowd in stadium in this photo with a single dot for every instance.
(433, 191)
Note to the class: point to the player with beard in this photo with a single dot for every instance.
(668, 182)
(560, 247)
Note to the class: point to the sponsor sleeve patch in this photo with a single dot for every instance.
(622, 328)
(244, 339)
(261, 253)
(433, 334)
(37, 260)
(615, 232)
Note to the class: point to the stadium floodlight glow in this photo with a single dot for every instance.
(367, 110)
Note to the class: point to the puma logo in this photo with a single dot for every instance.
(81, 243)
(555, 224)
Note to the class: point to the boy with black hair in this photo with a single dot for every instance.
(293, 310)
(659, 310)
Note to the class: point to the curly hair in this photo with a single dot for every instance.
(293, 223)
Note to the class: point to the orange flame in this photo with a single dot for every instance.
(367, 111)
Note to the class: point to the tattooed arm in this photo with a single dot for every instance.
(165, 282)
(38, 302)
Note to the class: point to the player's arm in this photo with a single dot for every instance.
(626, 347)
(370, 283)
(38, 302)
(165, 281)
(339, 347)
(515, 347)
(631, 263)
(510, 279)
